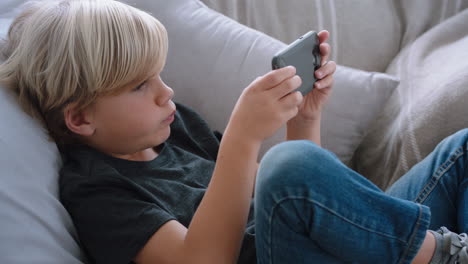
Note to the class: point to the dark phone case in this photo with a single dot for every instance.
(304, 54)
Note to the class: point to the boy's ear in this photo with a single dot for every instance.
(79, 121)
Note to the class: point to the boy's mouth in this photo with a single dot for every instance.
(170, 118)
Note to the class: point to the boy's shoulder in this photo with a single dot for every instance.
(84, 164)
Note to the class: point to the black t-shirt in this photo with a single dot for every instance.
(117, 205)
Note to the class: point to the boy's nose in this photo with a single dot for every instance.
(165, 97)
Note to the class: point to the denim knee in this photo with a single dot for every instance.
(457, 139)
(453, 146)
(294, 163)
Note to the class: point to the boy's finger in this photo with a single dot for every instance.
(324, 83)
(324, 52)
(287, 87)
(292, 100)
(323, 36)
(328, 69)
(275, 77)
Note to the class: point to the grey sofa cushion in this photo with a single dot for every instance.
(35, 226)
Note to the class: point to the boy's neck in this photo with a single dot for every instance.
(144, 155)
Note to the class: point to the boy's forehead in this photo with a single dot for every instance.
(151, 74)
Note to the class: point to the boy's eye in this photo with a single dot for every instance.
(139, 86)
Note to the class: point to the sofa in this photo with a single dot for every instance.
(400, 87)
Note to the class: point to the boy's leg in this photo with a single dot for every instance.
(310, 208)
(440, 182)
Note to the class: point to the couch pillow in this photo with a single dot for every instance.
(223, 57)
(36, 228)
(429, 105)
(357, 99)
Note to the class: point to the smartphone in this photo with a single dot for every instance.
(304, 54)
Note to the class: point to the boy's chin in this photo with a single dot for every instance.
(162, 137)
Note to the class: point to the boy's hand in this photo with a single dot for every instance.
(266, 105)
(313, 102)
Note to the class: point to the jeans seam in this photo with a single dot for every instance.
(438, 174)
(412, 237)
(330, 211)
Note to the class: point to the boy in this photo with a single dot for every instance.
(145, 179)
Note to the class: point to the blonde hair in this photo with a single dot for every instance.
(59, 52)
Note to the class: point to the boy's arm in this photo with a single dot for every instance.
(221, 217)
(297, 129)
(217, 228)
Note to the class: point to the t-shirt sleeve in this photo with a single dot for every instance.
(113, 218)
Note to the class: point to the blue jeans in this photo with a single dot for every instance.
(311, 208)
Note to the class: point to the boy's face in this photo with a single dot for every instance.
(135, 120)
